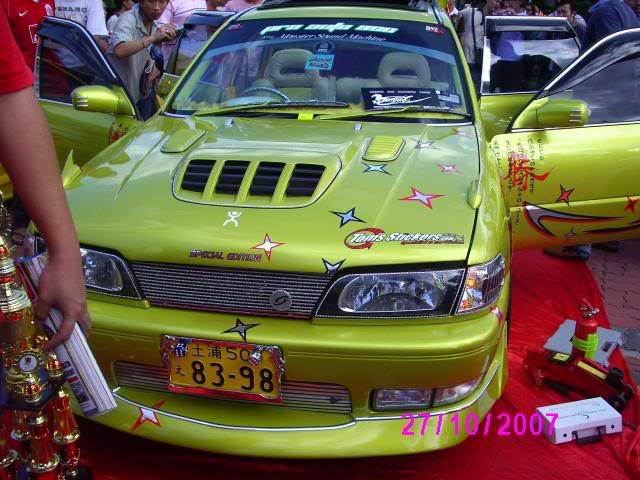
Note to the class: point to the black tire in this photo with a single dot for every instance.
(618, 402)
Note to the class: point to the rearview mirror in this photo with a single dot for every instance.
(553, 113)
(98, 98)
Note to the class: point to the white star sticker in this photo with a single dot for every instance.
(423, 198)
(426, 144)
(349, 216)
(148, 415)
(448, 168)
(267, 245)
(332, 267)
(375, 168)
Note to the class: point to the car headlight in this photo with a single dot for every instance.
(402, 294)
(482, 285)
(104, 273)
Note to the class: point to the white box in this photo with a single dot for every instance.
(579, 420)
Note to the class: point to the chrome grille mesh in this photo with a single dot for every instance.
(227, 290)
(317, 397)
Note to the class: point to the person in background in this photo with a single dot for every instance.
(121, 7)
(89, 14)
(175, 14)
(607, 17)
(241, 5)
(567, 9)
(129, 48)
(28, 156)
(471, 32)
(213, 5)
(24, 17)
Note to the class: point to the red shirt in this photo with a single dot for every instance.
(14, 73)
(24, 17)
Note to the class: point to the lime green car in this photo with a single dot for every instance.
(312, 238)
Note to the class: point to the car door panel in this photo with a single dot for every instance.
(69, 58)
(578, 184)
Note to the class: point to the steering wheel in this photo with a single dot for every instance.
(266, 89)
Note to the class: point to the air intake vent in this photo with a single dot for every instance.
(266, 179)
(304, 180)
(231, 177)
(197, 174)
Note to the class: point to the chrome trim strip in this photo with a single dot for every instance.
(583, 126)
(443, 411)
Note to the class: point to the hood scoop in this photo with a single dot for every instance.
(384, 149)
(253, 183)
(182, 140)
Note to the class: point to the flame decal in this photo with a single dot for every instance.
(536, 215)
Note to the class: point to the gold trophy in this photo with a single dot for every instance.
(31, 390)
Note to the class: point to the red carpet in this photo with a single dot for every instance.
(545, 292)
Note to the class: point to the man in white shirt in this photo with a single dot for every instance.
(89, 14)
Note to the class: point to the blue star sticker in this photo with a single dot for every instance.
(349, 216)
(241, 329)
(375, 168)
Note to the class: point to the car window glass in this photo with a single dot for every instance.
(526, 60)
(356, 61)
(60, 72)
(612, 94)
(191, 42)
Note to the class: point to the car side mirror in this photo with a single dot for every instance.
(553, 113)
(167, 81)
(98, 98)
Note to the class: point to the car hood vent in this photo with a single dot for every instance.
(253, 183)
(383, 148)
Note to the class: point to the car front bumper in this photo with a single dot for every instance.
(361, 357)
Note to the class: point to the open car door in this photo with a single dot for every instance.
(521, 54)
(69, 58)
(570, 162)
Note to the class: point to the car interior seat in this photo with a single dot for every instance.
(286, 72)
(407, 70)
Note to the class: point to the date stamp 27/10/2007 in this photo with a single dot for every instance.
(506, 424)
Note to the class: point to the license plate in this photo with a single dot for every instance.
(215, 368)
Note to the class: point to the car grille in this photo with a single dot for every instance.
(225, 290)
(317, 397)
(270, 183)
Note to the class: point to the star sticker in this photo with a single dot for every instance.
(496, 311)
(564, 195)
(457, 131)
(267, 245)
(375, 168)
(631, 204)
(423, 198)
(332, 267)
(427, 144)
(241, 329)
(349, 216)
(148, 415)
(448, 168)
(570, 234)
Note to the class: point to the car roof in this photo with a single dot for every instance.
(208, 17)
(385, 9)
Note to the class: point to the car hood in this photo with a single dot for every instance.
(391, 193)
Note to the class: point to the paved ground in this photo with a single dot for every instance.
(618, 275)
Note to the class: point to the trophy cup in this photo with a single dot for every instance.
(38, 436)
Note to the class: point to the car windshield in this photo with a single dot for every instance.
(366, 64)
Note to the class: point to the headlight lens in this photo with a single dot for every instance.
(425, 293)
(103, 272)
(448, 395)
(482, 285)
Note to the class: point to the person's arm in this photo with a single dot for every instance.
(29, 158)
(124, 49)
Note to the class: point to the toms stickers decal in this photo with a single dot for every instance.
(423, 198)
(348, 216)
(365, 238)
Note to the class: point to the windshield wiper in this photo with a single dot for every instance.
(382, 111)
(270, 104)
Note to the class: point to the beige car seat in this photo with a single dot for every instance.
(286, 72)
(407, 70)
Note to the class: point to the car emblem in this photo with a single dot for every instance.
(280, 300)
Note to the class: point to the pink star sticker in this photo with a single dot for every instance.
(448, 168)
(267, 245)
(148, 415)
(631, 204)
(423, 198)
(564, 195)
